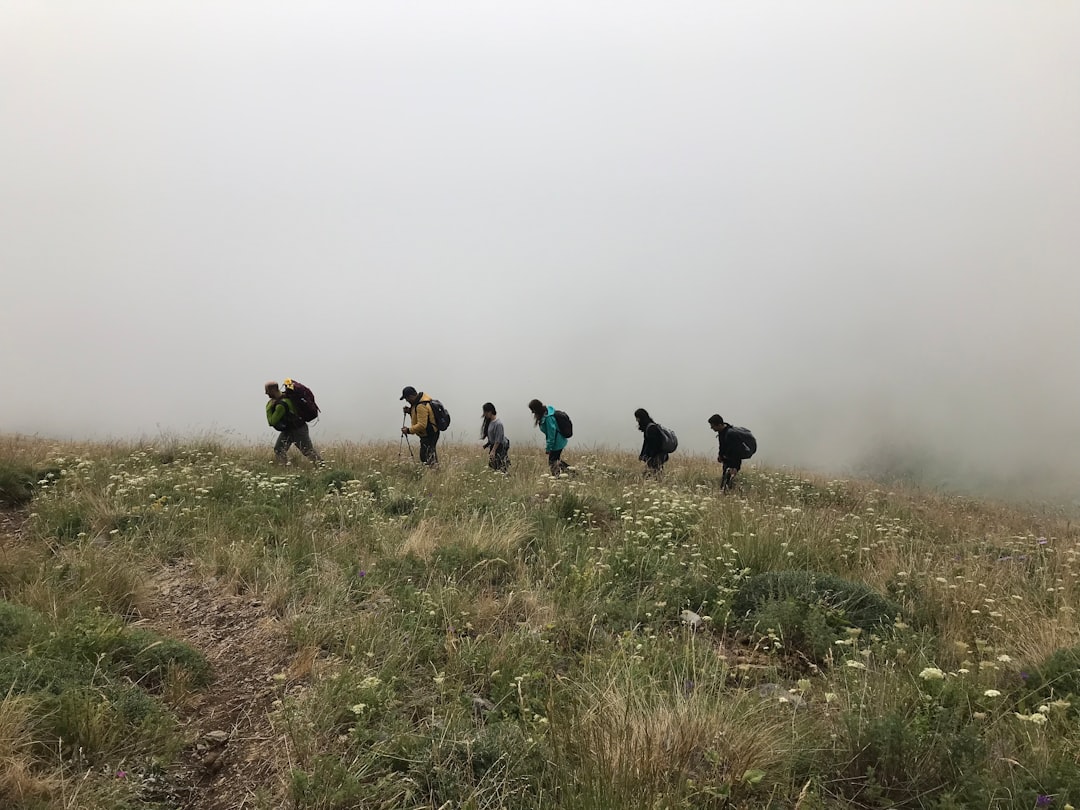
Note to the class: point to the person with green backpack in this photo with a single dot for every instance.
(657, 443)
(283, 416)
(557, 428)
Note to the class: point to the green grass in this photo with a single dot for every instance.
(19, 481)
(477, 641)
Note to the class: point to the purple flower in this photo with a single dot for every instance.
(1023, 675)
(1043, 800)
(1042, 542)
(362, 573)
(121, 774)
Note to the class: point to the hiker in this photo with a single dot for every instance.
(652, 445)
(735, 445)
(281, 414)
(545, 419)
(423, 424)
(495, 441)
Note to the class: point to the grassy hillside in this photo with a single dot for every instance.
(189, 626)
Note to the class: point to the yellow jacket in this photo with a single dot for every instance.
(423, 418)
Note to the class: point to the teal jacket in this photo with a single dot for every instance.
(280, 413)
(550, 429)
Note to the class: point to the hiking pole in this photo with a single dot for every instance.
(405, 436)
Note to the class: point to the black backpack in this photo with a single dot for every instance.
(669, 442)
(302, 398)
(440, 415)
(741, 442)
(563, 423)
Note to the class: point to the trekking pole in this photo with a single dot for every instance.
(405, 436)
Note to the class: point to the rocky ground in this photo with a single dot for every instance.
(234, 754)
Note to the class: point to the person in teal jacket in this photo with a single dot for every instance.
(281, 415)
(544, 417)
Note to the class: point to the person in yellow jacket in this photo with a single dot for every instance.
(423, 424)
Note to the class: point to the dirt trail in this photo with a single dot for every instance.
(236, 753)
(11, 523)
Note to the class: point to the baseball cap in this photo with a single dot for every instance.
(408, 391)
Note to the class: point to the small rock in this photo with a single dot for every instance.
(688, 617)
(781, 694)
(220, 737)
(213, 761)
(482, 706)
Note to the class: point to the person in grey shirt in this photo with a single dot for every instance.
(495, 441)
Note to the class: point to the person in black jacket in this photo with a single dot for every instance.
(652, 445)
(731, 452)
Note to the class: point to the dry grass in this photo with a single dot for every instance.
(635, 742)
(20, 778)
(423, 541)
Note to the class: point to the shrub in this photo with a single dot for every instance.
(1058, 677)
(146, 658)
(810, 609)
(335, 480)
(330, 784)
(16, 484)
(399, 505)
(18, 626)
(39, 657)
(37, 674)
(84, 681)
(909, 752)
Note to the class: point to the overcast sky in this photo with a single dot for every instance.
(835, 223)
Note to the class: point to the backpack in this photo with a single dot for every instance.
(303, 399)
(564, 425)
(741, 442)
(669, 442)
(440, 415)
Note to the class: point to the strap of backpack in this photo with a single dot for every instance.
(431, 417)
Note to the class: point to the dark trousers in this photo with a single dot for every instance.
(654, 465)
(428, 454)
(299, 436)
(500, 462)
(731, 467)
(556, 463)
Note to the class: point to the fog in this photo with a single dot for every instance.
(849, 227)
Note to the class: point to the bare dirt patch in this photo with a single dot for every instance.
(235, 758)
(11, 524)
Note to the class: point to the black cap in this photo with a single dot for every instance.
(408, 391)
